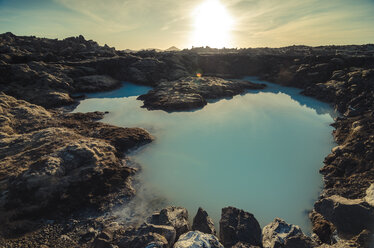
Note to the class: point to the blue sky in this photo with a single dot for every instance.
(137, 24)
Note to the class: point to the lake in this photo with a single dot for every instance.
(259, 151)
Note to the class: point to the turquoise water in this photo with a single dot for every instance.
(259, 151)
(126, 90)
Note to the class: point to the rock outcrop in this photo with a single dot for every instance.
(196, 239)
(239, 226)
(176, 217)
(148, 235)
(193, 92)
(95, 83)
(350, 217)
(203, 223)
(280, 234)
(57, 163)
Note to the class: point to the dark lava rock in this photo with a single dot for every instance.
(239, 226)
(193, 92)
(176, 217)
(203, 223)
(148, 235)
(350, 217)
(279, 234)
(322, 228)
(57, 163)
(95, 83)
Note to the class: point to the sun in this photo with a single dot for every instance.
(212, 25)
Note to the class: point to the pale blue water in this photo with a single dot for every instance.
(260, 152)
(127, 90)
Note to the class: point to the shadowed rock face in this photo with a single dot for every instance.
(176, 217)
(148, 235)
(350, 217)
(193, 92)
(322, 228)
(203, 223)
(53, 162)
(239, 226)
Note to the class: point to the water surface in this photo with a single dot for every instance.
(259, 151)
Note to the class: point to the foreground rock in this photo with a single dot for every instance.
(350, 217)
(203, 223)
(196, 239)
(193, 92)
(58, 163)
(280, 234)
(322, 228)
(239, 226)
(148, 235)
(176, 217)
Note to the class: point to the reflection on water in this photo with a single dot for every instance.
(259, 152)
(127, 90)
(294, 93)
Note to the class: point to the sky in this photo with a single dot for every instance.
(140, 24)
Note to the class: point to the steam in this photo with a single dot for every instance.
(143, 205)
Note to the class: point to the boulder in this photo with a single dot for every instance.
(148, 235)
(203, 223)
(350, 217)
(237, 225)
(322, 228)
(176, 217)
(279, 234)
(148, 240)
(196, 239)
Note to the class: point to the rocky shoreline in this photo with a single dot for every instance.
(56, 167)
(190, 93)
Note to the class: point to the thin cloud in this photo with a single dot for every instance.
(312, 22)
(163, 23)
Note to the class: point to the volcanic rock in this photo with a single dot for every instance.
(176, 217)
(239, 226)
(280, 234)
(196, 239)
(203, 223)
(193, 92)
(350, 217)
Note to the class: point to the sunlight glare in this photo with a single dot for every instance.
(212, 25)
